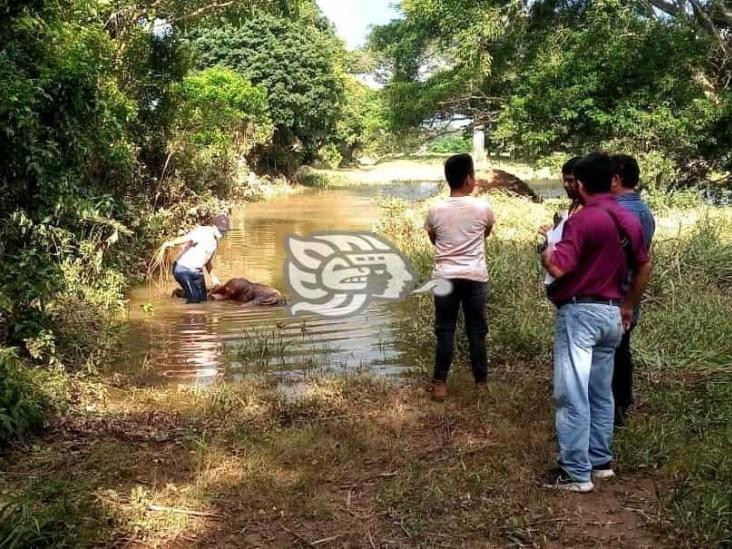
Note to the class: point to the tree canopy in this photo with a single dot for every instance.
(648, 77)
(299, 64)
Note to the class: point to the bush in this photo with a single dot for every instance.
(330, 156)
(450, 145)
(26, 398)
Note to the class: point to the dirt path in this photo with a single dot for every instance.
(356, 462)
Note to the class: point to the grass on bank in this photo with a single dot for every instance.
(358, 460)
(411, 168)
(682, 424)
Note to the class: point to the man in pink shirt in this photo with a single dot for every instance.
(590, 264)
(458, 227)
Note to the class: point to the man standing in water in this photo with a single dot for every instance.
(626, 176)
(458, 227)
(200, 246)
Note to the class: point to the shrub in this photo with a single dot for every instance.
(26, 398)
(450, 145)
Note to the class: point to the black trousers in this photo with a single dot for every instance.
(623, 373)
(472, 296)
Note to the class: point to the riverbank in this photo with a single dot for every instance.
(360, 460)
(425, 168)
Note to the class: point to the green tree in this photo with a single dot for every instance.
(299, 64)
(363, 127)
(650, 78)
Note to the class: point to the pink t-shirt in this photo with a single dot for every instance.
(460, 224)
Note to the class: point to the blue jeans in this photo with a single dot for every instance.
(472, 296)
(193, 283)
(585, 339)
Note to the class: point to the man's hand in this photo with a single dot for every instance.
(638, 284)
(626, 314)
(544, 230)
(546, 261)
(215, 281)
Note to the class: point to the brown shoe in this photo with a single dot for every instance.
(438, 390)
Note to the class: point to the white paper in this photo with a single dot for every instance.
(553, 237)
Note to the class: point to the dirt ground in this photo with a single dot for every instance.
(355, 462)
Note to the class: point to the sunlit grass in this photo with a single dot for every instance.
(355, 458)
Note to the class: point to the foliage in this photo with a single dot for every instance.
(363, 127)
(220, 107)
(26, 398)
(64, 123)
(657, 85)
(108, 139)
(452, 145)
(297, 62)
(222, 117)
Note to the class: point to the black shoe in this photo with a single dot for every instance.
(558, 479)
(601, 472)
(620, 420)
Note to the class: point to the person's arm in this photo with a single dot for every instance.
(429, 227)
(433, 236)
(638, 285)
(180, 241)
(547, 257)
(214, 279)
(490, 223)
(561, 259)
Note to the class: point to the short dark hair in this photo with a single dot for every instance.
(595, 172)
(457, 169)
(569, 165)
(627, 169)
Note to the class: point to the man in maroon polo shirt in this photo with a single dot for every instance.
(590, 265)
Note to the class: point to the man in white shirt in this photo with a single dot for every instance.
(199, 248)
(458, 227)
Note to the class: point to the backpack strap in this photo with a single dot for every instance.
(625, 240)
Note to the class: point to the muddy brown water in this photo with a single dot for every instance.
(166, 340)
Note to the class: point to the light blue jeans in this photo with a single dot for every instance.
(585, 339)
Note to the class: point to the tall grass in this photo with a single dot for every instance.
(27, 397)
(683, 345)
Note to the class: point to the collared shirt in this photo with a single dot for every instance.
(634, 204)
(591, 254)
(203, 242)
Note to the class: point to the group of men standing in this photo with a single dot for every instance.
(598, 264)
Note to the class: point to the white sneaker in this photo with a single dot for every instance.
(558, 479)
(603, 472)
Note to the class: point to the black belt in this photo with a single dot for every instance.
(595, 300)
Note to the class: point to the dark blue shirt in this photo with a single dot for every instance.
(633, 203)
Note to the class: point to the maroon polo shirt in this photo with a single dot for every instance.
(591, 254)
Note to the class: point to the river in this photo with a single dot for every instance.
(166, 340)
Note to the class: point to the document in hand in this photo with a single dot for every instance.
(553, 237)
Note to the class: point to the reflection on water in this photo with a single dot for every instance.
(187, 342)
(199, 342)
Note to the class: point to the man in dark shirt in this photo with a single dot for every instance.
(590, 266)
(626, 176)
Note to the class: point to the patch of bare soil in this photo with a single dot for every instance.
(364, 465)
(619, 513)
